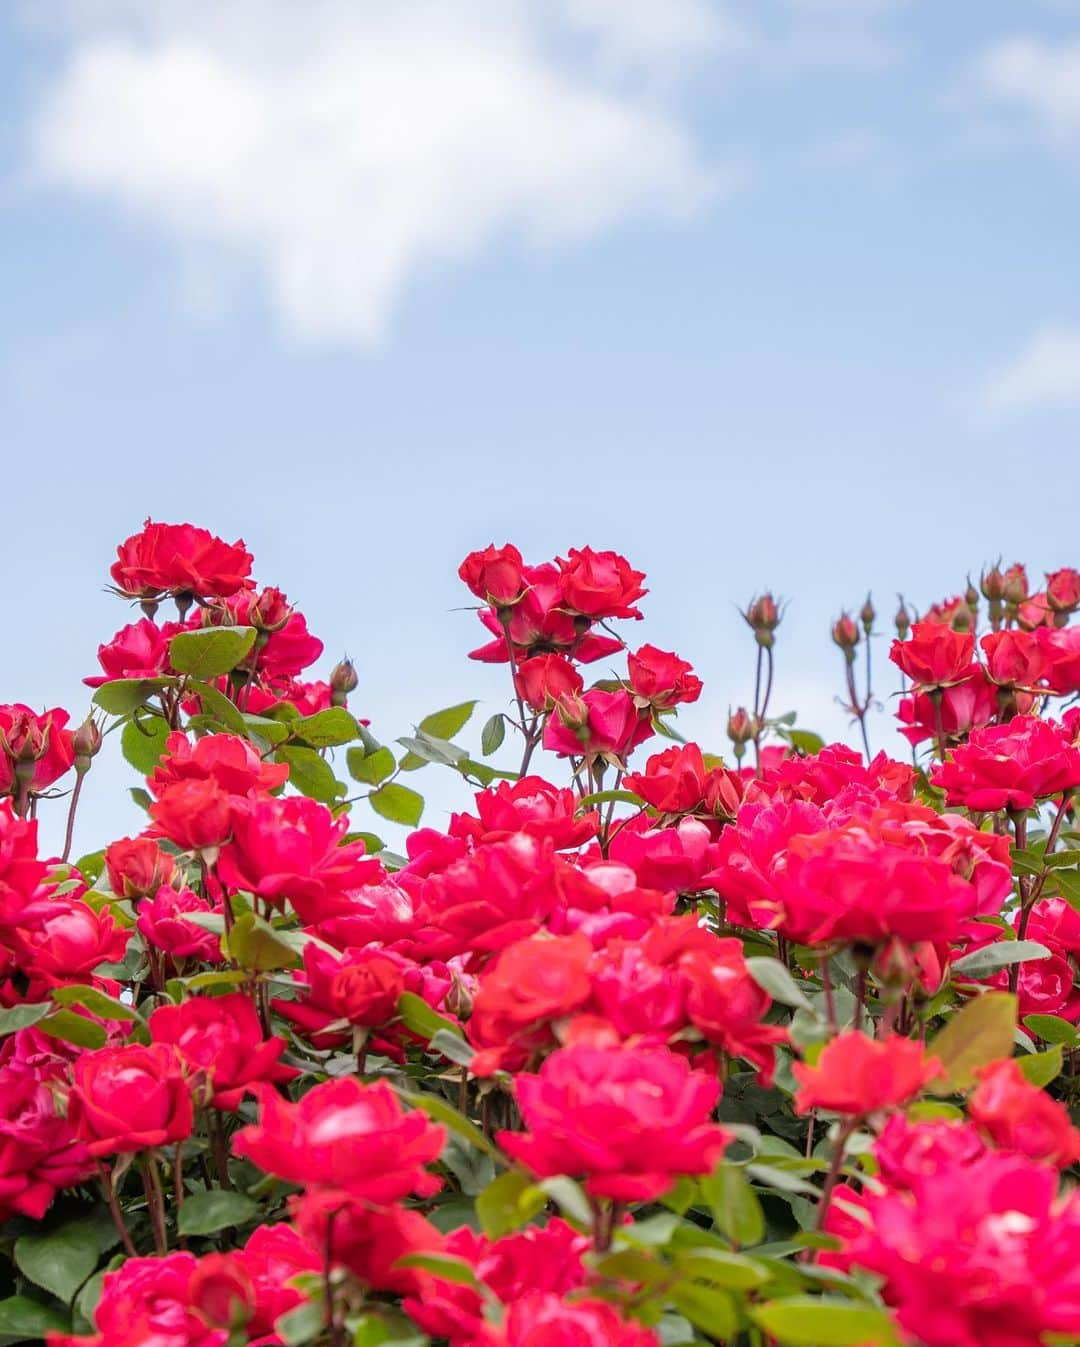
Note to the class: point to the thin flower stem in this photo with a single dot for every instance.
(114, 1210)
(69, 832)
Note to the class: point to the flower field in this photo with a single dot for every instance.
(648, 1046)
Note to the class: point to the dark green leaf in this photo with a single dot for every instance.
(420, 1018)
(22, 1017)
(97, 1002)
(124, 695)
(370, 768)
(216, 704)
(609, 796)
(1002, 954)
(210, 651)
(207, 1213)
(142, 742)
(734, 1205)
(326, 729)
(25, 1320)
(493, 734)
(74, 1028)
(61, 1260)
(309, 774)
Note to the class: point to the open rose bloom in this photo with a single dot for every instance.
(643, 1041)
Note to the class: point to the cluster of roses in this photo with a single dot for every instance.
(244, 994)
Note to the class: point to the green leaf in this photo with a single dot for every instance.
(718, 1267)
(219, 707)
(210, 651)
(734, 1205)
(97, 1002)
(1040, 1068)
(22, 1017)
(771, 976)
(142, 742)
(25, 1320)
(446, 723)
(436, 1107)
(1067, 883)
(420, 1018)
(452, 1046)
(508, 1202)
(310, 774)
(207, 1213)
(61, 1260)
(325, 729)
(124, 695)
(397, 803)
(710, 1310)
(608, 797)
(256, 946)
(569, 1196)
(980, 1032)
(1001, 954)
(370, 768)
(1052, 1029)
(493, 734)
(803, 741)
(443, 1265)
(810, 1321)
(429, 749)
(73, 1028)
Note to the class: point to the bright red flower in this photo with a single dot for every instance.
(21, 873)
(221, 1292)
(369, 1241)
(677, 781)
(521, 993)
(146, 1302)
(665, 858)
(229, 762)
(35, 750)
(1062, 648)
(273, 1257)
(1010, 766)
(539, 1320)
(162, 924)
(221, 1040)
(966, 705)
(1017, 1116)
(139, 650)
(182, 560)
(934, 655)
(494, 575)
(629, 1122)
(1063, 590)
(129, 1099)
(69, 941)
(137, 866)
(540, 623)
(599, 584)
(347, 1135)
(292, 849)
(529, 805)
(358, 990)
(39, 1152)
(597, 723)
(545, 679)
(857, 1075)
(196, 815)
(662, 678)
(909, 1153)
(1014, 658)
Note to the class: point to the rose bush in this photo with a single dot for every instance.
(644, 1047)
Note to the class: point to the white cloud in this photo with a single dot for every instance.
(1041, 77)
(348, 145)
(1045, 373)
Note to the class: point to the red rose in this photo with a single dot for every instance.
(137, 867)
(346, 1135)
(130, 1099)
(147, 1301)
(1063, 590)
(39, 1152)
(934, 655)
(358, 989)
(231, 763)
(1014, 658)
(539, 623)
(857, 1075)
(963, 707)
(596, 723)
(369, 1241)
(180, 559)
(629, 1121)
(292, 848)
(1017, 1116)
(677, 781)
(222, 1038)
(1010, 766)
(531, 806)
(69, 940)
(273, 1256)
(35, 750)
(599, 584)
(662, 679)
(195, 815)
(545, 679)
(543, 1320)
(162, 924)
(284, 646)
(494, 575)
(220, 1291)
(140, 650)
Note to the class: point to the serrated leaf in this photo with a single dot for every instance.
(370, 768)
(142, 742)
(219, 707)
(446, 723)
(326, 729)
(210, 651)
(493, 734)
(124, 695)
(310, 774)
(429, 749)
(397, 803)
(217, 1209)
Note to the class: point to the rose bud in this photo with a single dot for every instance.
(343, 680)
(86, 742)
(495, 575)
(902, 621)
(741, 729)
(269, 611)
(846, 635)
(867, 615)
(1063, 590)
(220, 1291)
(1015, 586)
(137, 867)
(763, 616)
(992, 584)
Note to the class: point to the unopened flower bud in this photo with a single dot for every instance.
(1015, 588)
(902, 621)
(343, 680)
(962, 618)
(845, 633)
(867, 615)
(741, 730)
(971, 596)
(86, 741)
(763, 616)
(992, 584)
(269, 611)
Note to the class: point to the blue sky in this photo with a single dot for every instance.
(779, 293)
